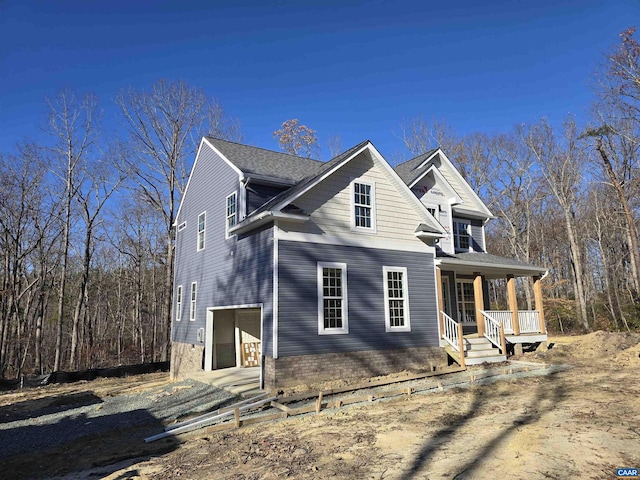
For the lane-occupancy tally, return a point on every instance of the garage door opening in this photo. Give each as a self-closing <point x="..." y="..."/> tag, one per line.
<point x="233" y="338"/>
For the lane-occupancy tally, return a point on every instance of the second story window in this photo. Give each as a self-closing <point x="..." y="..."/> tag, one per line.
<point x="363" y="207"/>
<point x="232" y="212"/>
<point x="461" y="235"/>
<point x="202" y="221"/>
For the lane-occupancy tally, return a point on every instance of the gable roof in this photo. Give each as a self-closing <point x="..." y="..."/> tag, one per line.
<point x="278" y="206"/>
<point x="261" y="162"/>
<point x="409" y="172"/>
<point x="413" y="170"/>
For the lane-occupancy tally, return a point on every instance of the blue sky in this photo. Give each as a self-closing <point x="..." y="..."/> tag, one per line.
<point x="354" y="69"/>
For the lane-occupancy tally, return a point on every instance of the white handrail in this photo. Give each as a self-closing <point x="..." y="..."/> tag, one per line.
<point x="450" y="333"/>
<point x="492" y="329"/>
<point x="504" y="317"/>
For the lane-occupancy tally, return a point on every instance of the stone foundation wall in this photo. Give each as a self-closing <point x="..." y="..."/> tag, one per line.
<point x="185" y="359"/>
<point x="308" y="369"/>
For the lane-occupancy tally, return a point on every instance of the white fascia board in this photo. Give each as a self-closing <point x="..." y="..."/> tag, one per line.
<point x="421" y="207"/>
<point x="227" y="161"/>
<point x="452" y="200"/>
<point x="474" y="195"/>
<point x="266" y="217"/>
<point x="471" y="213"/>
<point x="193" y="168"/>
<point x="519" y="271"/>
<point x="318" y="180"/>
<point x="428" y="159"/>
<point x="428" y="235"/>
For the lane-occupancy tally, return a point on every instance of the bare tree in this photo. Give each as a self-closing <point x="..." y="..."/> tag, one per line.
<point x="165" y="126"/>
<point x="616" y="135"/>
<point x="420" y="135"/>
<point x="101" y="185"/>
<point x="297" y="139"/>
<point x="334" y="143"/>
<point x="559" y="163"/>
<point x="72" y="125"/>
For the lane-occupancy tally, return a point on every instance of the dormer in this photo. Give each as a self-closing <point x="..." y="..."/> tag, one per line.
<point x="450" y="199"/>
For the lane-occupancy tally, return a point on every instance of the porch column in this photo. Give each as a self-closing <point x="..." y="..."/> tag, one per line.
<point x="479" y="301"/>
<point x="537" y="294"/>
<point x="513" y="303"/>
<point x="440" y="300"/>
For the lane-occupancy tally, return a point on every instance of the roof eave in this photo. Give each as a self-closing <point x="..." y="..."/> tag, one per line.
<point x="267" y="217"/>
<point x="516" y="270"/>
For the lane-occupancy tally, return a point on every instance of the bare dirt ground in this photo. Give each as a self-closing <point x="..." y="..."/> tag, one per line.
<point x="582" y="422"/>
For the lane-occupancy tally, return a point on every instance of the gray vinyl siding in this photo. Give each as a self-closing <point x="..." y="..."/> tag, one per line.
<point x="298" y="299"/>
<point x="234" y="271"/>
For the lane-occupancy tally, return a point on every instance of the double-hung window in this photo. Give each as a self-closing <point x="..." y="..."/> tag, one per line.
<point x="194" y="295"/>
<point x="179" y="303"/>
<point x="202" y="223"/>
<point x="461" y="235"/>
<point x="231" y="212"/>
<point x="332" y="298"/>
<point x="363" y="209"/>
<point x="396" y="299"/>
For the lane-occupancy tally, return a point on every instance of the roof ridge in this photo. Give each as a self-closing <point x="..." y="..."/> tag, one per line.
<point x="424" y="154"/>
<point x="264" y="149"/>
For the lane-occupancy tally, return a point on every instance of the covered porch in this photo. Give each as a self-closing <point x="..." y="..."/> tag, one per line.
<point x="470" y="330"/>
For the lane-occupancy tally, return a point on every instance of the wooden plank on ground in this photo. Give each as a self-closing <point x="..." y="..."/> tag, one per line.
<point x="284" y="408"/>
<point x="377" y="383"/>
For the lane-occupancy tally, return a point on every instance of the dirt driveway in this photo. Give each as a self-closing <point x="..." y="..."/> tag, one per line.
<point x="582" y="422"/>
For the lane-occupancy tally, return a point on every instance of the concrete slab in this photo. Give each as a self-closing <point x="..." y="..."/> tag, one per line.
<point x="244" y="381"/>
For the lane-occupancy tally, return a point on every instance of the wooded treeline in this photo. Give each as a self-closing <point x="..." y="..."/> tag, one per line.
<point x="86" y="218"/>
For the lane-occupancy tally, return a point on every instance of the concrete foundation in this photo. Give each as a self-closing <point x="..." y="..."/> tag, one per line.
<point x="302" y="369"/>
<point x="185" y="360"/>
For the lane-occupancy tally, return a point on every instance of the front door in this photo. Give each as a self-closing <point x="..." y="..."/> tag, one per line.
<point x="466" y="302"/>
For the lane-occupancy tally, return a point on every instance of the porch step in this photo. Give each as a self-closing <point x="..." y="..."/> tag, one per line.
<point x="480" y="350"/>
<point x="481" y="360"/>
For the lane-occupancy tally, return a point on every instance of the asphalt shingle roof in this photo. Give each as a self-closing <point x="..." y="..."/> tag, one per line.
<point x="487" y="259"/>
<point x="258" y="161"/>
<point x="408" y="171"/>
<point x="291" y="192"/>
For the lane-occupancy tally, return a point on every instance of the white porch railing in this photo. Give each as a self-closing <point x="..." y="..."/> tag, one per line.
<point x="501" y="316"/>
<point x="494" y="331"/>
<point x="528" y="320"/>
<point x="451" y="332"/>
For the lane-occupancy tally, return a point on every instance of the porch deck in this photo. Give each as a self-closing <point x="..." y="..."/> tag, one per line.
<point x="494" y="330"/>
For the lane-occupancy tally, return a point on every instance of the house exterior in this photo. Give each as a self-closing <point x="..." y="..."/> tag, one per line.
<point x="348" y="268"/>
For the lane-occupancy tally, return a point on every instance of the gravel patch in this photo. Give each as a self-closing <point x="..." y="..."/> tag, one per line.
<point x="85" y="415"/>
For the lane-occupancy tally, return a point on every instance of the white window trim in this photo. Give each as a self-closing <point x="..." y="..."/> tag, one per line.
<point x="226" y="216"/>
<point x="204" y="232"/>
<point x="405" y="289"/>
<point x="179" y="303"/>
<point x="435" y="207"/>
<point x="456" y="236"/>
<point x="345" y="309"/>
<point x="352" y="204"/>
<point x="182" y="226"/>
<point x="193" y="299"/>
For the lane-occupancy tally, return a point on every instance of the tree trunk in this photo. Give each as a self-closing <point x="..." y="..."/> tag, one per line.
<point x="63" y="275"/>
<point x="576" y="265"/>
